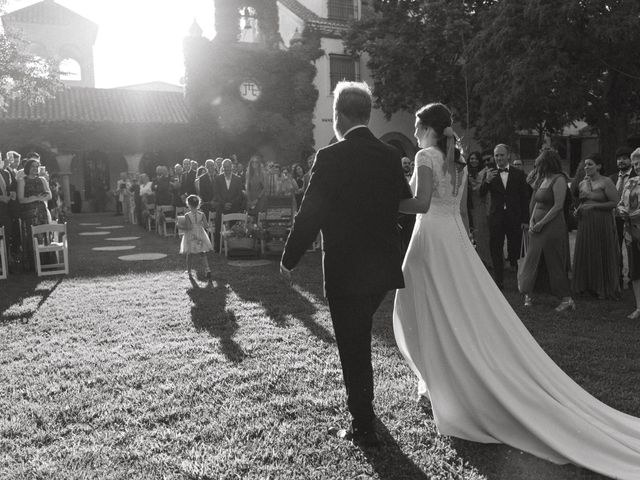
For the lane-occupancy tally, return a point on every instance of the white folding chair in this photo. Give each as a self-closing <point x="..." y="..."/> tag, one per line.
<point x="225" y="227"/>
<point x="51" y="238"/>
<point x="3" y="254"/>
<point x="163" y="218"/>
<point x="151" y="217"/>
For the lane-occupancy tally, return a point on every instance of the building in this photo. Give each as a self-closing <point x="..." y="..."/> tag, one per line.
<point x="85" y="135"/>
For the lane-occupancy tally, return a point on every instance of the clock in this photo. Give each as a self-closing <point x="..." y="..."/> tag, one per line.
<point x="250" y="90"/>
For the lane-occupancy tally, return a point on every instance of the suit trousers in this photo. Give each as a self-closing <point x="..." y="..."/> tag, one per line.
<point x="352" y="318"/>
<point x="499" y="227"/>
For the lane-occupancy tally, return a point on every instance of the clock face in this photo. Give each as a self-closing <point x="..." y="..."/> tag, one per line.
<point x="250" y="90"/>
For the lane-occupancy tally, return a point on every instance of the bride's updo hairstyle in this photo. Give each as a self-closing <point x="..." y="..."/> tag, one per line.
<point x="438" y="117"/>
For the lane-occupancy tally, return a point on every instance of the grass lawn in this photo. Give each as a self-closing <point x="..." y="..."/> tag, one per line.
<point x="128" y="370"/>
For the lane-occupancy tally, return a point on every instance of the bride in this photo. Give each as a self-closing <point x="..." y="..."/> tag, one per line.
<point x="486" y="377"/>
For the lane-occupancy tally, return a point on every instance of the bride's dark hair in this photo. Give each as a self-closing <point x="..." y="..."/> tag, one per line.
<point x="438" y="117"/>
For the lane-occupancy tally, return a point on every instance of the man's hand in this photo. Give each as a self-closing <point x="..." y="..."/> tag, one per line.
<point x="491" y="174"/>
<point x="285" y="272"/>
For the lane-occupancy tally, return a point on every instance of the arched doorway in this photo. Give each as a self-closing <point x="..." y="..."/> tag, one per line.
<point x="96" y="179"/>
<point x="405" y="146"/>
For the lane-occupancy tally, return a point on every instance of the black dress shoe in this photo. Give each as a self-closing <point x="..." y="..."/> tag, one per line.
<point x="363" y="438"/>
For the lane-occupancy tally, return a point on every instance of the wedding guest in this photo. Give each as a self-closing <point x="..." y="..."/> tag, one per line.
<point x="479" y="220"/>
<point x="229" y="197"/>
<point x="298" y="176"/>
<point x="121" y="187"/>
<point x="509" y="211"/>
<point x="307" y="176"/>
<point x="547" y="259"/>
<point x="5" y="198"/>
<point x="162" y="186"/>
<point x="33" y="195"/>
<point x="206" y="186"/>
<point x="288" y="186"/>
<point x="176" y="185"/>
<point x="147" y="199"/>
<point x="620" y="179"/>
<point x="254" y="186"/>
<point x="272" y="183"/>
<point x="629" y="210"/>
<point x="595" y="260"/>
<point x="406" y="167"/>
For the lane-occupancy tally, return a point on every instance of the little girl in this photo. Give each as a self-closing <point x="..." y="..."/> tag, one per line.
<point x="195" y="239"/>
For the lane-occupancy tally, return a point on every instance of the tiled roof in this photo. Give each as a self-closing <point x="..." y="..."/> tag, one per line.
<point x="324" y="26"/>
<point x="46" y="12"/>
<point x="96" y="105"/>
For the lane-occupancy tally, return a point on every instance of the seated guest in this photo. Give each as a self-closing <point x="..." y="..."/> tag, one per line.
<point x="33" y="195"/>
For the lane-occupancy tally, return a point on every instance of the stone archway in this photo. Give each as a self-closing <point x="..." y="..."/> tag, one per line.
<point x="405" y="146"/>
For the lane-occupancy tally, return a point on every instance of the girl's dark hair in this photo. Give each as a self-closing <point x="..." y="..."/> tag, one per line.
<point x="28" y="164"/>
<point x="473" y="171"/>
<point x="438" y="117"/>
<point x="597" y="159"/>
<point x="193" y="201"/>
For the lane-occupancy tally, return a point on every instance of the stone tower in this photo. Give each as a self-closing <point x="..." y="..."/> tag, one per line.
<point x="52" y="30"/>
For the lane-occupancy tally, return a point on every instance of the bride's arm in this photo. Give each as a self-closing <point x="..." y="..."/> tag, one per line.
<point x="421" y="202"/>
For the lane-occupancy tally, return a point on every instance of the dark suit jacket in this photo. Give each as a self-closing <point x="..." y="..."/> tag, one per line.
<point x="614" y="177"/>
<point x="515" y="197"/>
<point x="352" y="197"/>
<point x="206" y="186"/>
<point x="232" y="195"/>
<point x="187" y="183"/>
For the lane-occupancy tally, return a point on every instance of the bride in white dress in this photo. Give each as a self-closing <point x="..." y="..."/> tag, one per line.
<point x="487" y="378"/>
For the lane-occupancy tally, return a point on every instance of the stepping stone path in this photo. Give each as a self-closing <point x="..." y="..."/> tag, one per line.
<point x="142" y="256"/>
<point x="86" y="234"/>
<point x="88" y="224"/>
<point x="108" y="227"/>
<point x="122" y="239"/>
<point x="248" y="263"/>
<point x="114" y="248"/>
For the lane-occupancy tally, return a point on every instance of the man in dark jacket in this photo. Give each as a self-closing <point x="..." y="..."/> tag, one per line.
<point x="353" y="195"/>
<point x="508" y="211"/>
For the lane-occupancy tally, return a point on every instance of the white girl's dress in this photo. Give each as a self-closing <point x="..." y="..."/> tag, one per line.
<point x="487" y="378"/>
<point x="196" y="240"/>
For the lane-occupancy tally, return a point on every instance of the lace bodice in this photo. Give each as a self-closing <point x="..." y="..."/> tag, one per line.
<point x="443" y="200"/>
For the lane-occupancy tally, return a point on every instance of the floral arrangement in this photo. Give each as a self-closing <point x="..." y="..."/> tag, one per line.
<point x="243" y="230"/>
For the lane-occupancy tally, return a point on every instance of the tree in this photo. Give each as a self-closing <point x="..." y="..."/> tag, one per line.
<point x="414" y="52"/>
<point x="539" y="64"/>
<point x="24" y="76"/>
<point x="508" y="65"/>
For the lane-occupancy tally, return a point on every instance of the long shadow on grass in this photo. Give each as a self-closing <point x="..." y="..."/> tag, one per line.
<point x="16" y="294"/>
<point x="209" y="313"/>
<point x="281" y="300"/>
<point x="390" y="462"/>
<point x="496" y="461"/>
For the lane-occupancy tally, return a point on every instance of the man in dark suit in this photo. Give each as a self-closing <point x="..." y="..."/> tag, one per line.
<point x="353" y="195"/>
<point x="508" y="211"/>
<point x="620" y="179"/>
<point x="187" y="179"/>
<point x="228" y="196"/>
<point x="205" y="185"/>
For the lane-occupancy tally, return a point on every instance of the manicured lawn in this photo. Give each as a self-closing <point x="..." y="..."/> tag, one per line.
<point x="127" y="370"/>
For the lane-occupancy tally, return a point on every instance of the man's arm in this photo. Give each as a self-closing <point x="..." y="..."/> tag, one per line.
<point x="313" y="211"/>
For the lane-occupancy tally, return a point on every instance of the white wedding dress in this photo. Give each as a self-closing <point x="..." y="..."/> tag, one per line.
<point x="487" y="378"/>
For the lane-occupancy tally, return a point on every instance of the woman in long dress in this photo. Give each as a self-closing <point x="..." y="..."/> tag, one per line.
<point x="487" y="378"/>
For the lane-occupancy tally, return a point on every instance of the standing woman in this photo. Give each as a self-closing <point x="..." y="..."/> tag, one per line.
<point x="629" y="210"/>
<point x="254" y="186"/>
<point x="298" y="176"/>
<point x="595" y="260"/>
<point x="479" y="218"/>
<point x="547" y="259"/>
<point x="33" y="195"/>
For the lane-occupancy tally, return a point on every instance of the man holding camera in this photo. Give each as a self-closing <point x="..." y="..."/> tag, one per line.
<point x="508" y="210"/>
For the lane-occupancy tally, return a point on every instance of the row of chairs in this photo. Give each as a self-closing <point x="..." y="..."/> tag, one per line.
<point x="162" y="219"/>
<point x="50" y="240"/>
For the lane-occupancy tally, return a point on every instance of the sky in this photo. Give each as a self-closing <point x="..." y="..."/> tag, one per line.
<point x="138" y="41"/>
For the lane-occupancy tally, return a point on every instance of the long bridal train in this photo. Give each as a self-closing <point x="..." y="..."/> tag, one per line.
<point x="488" y="379"/>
